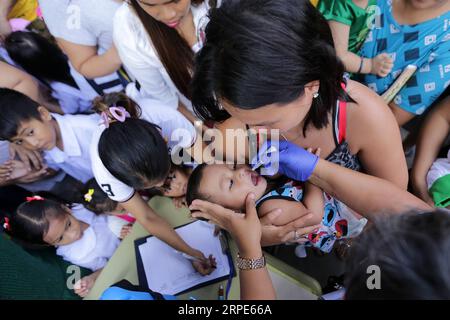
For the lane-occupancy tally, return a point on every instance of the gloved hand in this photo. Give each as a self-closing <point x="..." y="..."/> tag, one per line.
<point x="287" y="159"/>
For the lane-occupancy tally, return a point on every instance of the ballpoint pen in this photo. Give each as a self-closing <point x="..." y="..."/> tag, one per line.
<point x="191" y="258"/>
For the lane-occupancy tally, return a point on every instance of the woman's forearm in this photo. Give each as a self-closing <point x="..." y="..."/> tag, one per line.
<point x="100" y="65"/>
<point x="365" y="194"/>
<point x="255" y="284"/>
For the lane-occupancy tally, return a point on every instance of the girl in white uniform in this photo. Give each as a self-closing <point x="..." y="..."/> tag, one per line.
<point x="130" y="154"/>
<point x="156" y="41"/>
<point x="79" y="236"/>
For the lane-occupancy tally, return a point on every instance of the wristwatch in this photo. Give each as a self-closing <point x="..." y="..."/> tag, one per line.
<point x="250" y="264"/>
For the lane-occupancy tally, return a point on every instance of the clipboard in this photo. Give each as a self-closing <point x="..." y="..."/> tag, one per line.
<point x="143" y="275"/>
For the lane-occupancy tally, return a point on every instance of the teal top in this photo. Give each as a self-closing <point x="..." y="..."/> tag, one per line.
<point x="348" y="13"/>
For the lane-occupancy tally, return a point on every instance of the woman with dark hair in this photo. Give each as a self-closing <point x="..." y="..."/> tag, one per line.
<point x="272" y="64"/>
<point x="157" y="40"/>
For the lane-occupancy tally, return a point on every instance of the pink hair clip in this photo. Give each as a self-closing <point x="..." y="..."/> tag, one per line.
<point x="118" y="113"/>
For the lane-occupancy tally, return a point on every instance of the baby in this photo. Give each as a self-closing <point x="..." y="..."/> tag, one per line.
<point x="229" y="185"/>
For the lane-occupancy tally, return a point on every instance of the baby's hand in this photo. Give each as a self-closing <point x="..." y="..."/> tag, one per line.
<point x="84" y="285"/>
<point x="382" y="65"/>
<point x="125" y="231"/>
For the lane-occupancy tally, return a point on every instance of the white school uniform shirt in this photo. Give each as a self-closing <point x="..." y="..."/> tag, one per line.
<point x="141" y="59"/>
<point x="175" y="129"/>
<point x="97" y="244"/>
<point x="76" y="133"/>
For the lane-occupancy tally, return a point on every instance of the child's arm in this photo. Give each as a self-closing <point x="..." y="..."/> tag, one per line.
<point x="292" y="210"/>
<point x="85" y="284"/>
<point x="432" y="135"/>
<point x="381" y="65"/>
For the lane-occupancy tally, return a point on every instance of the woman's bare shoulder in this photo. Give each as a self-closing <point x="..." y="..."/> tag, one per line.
<point x="368" y="113"/>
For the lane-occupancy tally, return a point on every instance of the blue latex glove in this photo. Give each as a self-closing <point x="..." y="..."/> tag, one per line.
<point x="287" y="159"/>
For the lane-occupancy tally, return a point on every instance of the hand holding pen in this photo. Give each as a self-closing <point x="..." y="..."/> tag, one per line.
<point x="203" y="265"/>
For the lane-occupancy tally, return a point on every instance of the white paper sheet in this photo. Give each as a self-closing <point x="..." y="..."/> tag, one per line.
<point x="168" y="272"/>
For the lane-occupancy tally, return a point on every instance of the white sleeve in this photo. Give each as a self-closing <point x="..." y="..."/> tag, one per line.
<point x="140" y="58"/>
<point x="114" y="188"/>
<point x="175" y="128"/>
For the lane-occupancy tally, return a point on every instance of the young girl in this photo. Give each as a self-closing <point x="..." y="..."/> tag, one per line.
<point x="64" y="140"/>
<point x="175" y="185"/>
<point x="229" y="186"/>
<point x="350" y="21"/>
<point x="79" y="236"/>
<point x="156" y="41"/>
<point x="119" y="221"/>
<point x="47" y="63"/>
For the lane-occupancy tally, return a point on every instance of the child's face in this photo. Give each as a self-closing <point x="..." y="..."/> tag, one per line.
<point x="176" y="184"/>
<point x="37" y="135"/>
<point x="63" y="230"/>
<point x="229" y="185"/>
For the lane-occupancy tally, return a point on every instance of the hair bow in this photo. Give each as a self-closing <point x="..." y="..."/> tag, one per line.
<point x="6" y="224"/>
<point x="88" y="195"/>
<point x="35" y="198"/>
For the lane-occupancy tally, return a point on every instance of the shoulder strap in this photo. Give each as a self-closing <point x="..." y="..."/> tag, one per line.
<point x="340" y="120"/>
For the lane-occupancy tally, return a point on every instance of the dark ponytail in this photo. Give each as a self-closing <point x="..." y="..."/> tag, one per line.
<point x="174" y="52"/>
<point x="262" y="52"/>
<point x="133" y="151"/>
<point x="39" y="57"/>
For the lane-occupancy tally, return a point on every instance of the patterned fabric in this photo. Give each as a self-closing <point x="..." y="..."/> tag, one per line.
<point x="342" y="156"/>
<point x="425" y="45"/>
<point x="338" y="221"/>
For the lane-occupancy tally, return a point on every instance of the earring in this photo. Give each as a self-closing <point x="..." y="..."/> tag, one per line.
<point x="316" y="95"/>
<point x="220" y="107"/>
